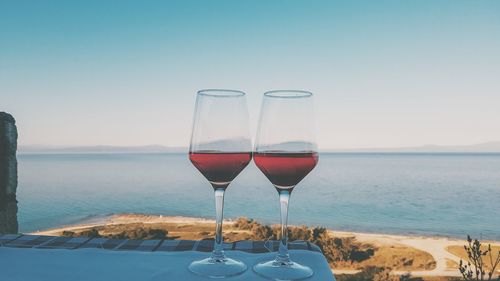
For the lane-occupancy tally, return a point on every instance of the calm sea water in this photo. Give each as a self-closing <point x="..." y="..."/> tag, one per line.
<point x="430" y="194"/>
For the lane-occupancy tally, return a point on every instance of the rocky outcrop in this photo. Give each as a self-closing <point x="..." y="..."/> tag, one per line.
<point x="8" y="174"/>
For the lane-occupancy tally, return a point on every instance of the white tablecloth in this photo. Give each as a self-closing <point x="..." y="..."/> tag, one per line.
<point x="93" y="264"/>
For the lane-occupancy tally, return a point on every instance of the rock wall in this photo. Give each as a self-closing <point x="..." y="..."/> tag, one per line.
<point x="8" y="174"/>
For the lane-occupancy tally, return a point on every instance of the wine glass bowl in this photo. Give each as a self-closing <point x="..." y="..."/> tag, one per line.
<point x="220" y="149"/>
<point x="285" y="151"/>
<point x="285" y="169"/>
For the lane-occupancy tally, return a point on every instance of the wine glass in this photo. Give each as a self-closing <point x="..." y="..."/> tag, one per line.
<point x="220" y="149"/>
<point x="285" y="151"/>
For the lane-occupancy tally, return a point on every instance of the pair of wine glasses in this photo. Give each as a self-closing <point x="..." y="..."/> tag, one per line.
<point x="285" y="151"/>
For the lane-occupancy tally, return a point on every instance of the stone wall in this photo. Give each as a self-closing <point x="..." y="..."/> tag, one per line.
<point x="8" y="174"/>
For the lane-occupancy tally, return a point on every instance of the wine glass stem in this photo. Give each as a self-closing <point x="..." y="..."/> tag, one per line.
<point x="283" y="256"/>
<point x="218" y="252"/>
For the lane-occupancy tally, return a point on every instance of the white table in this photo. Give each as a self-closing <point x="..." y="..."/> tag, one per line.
<point x="51" y="258"/>
<point x="25" y="264"/>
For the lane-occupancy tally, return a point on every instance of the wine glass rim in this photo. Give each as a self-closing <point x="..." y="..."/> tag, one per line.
<point x="226" y="93"/>
<point x="288" y="94"/>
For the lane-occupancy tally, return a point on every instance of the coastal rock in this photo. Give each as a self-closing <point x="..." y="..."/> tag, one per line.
<point x="8" y="174"/>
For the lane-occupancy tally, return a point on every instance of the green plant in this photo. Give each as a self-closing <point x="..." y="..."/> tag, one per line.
<point x="475" y="269"/>
<point x="335" y="249"/>
<point x="138" y="233"/>
<point x="91" y="233"/>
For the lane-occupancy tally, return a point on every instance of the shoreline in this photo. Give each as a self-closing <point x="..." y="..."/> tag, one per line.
<point x="436" y="246"/>
<point x="126" y="218"/>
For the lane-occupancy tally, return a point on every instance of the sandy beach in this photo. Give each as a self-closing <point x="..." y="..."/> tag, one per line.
<point x="436" y="246"/>
<point x="127" y="219"/>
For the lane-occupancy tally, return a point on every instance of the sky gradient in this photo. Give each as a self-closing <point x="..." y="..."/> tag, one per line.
<point x="384" y="73"/>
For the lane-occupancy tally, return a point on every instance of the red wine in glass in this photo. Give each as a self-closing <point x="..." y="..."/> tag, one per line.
<point x="285" y="169"/>
<point x="220" y="168"/>
<point x="285" y="151"/>
<point x="220" y="149"/>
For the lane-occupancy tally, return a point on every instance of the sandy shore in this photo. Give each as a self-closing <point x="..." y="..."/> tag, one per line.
<point x="436" y="246"/>
<point x="126" y="219"/>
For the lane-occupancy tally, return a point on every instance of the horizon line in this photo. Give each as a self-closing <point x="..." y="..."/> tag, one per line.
<point x="485" y="147"/>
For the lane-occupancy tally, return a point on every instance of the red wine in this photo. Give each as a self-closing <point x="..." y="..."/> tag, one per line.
<point x="285" y="169"/>
<point x="220" y="167"/>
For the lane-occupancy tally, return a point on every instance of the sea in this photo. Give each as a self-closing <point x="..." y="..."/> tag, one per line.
<point x="430" y="194"/>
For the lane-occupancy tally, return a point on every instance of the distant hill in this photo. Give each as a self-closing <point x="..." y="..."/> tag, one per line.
<point x="45" y="149"/>
<point x="493" y="146"/>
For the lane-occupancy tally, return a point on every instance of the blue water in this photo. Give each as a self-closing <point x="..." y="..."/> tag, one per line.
<point x="429" y="194"/>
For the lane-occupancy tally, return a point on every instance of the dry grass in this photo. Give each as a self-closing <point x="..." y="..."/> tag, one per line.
<point x="451" y="264"/>
<point x="381" y="274"/>
<point x="197" y="231"/>
<point x="441" y="278"/>
<point x="401" y="258"/>
<point x="459" y="251"/>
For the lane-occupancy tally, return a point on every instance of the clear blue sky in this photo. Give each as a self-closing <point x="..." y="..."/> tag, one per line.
<point x="385" y="73"/>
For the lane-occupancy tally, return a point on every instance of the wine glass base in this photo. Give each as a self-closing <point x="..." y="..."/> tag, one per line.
<point x="275" y="270"/>
<point x="217" y="268"/>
